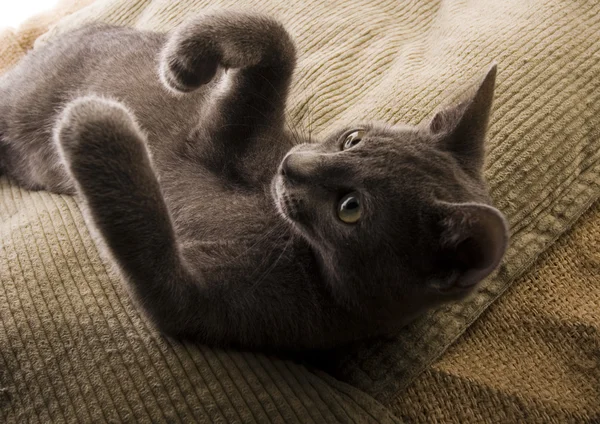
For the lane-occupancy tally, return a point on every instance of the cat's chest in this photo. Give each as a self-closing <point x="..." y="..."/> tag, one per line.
<point x="241" y="233"/>
<point x="206" y="209"/>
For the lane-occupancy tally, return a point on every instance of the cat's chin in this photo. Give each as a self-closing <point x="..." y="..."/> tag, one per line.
<point x="288" y="205"/>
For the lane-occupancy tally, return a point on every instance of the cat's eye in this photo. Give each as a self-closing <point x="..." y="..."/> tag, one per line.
<point x="352" y="139"/>
<point x="349" y="208"/>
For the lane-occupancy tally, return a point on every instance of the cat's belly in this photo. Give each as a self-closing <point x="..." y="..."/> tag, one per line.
<point x="33" y="94"/>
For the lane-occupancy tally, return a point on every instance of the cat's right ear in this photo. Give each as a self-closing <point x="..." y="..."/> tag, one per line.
<point x="472" y="242"/>
<point x="462" y="127"/>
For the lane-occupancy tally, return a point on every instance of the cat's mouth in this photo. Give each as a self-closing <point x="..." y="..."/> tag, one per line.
<point x="287" y="204"/>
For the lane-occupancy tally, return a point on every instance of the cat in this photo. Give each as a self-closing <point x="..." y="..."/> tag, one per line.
<point x="229" y="228"/>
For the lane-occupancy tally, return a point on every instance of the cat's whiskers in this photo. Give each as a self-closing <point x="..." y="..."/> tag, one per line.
<point x="245" y="290"/>
<point x="255" y="126"/>
<point x="269" y="270"/>
<point x="266" y="236"/>
<point x="288" y="121"/>
<point x="307" y="130"/>
<point x="309" y="113"/>
<point x="293" y="132"/>
<point x="232" y="124"/>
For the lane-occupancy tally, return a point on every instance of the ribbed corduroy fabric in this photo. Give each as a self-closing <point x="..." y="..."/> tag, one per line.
<point x="69" y="331"/>
<point x="74" y="349"/>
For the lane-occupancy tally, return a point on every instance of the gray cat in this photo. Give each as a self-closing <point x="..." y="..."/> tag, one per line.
<point x="229" y="228"/>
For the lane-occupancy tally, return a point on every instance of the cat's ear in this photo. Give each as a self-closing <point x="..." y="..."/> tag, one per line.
<point x="463" y="127"/>
<point x="472" y="242"/>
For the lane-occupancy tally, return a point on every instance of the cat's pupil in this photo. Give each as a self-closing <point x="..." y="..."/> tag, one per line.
<point x="351" y="204"/>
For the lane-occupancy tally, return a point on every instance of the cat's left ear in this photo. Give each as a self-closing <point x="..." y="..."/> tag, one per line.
<point x="463" y="127"/>
<point x="473" y="241"/>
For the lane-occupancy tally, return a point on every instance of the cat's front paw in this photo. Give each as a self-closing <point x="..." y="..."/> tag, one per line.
<point x="196" y="49"/>
<point x="182" y="71"/>
<point x="93" y="134"/>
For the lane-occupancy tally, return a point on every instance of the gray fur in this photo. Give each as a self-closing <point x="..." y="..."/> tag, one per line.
<point x="222" y="222"/>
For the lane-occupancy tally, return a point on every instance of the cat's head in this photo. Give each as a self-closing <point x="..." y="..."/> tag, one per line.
<point x="400" y="216"/>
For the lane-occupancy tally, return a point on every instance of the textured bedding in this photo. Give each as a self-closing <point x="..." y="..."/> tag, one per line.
<point x="72" y="346"/>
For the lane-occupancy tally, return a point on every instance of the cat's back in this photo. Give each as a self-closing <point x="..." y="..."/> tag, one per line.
<point x="74" y="62"/>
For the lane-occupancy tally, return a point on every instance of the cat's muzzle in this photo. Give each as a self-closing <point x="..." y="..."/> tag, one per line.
<point x="300" y="167"/>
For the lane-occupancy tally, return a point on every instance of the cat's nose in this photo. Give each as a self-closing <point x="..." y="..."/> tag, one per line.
<point x="300" y="167"/>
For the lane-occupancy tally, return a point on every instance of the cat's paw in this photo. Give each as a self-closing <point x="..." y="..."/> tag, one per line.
<point x="196" y="49"/>
<point x="182" y="72"/>
<point x="92" y="132"/>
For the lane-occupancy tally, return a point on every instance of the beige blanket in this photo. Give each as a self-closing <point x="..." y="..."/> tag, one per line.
<point x="72" y="342"/>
